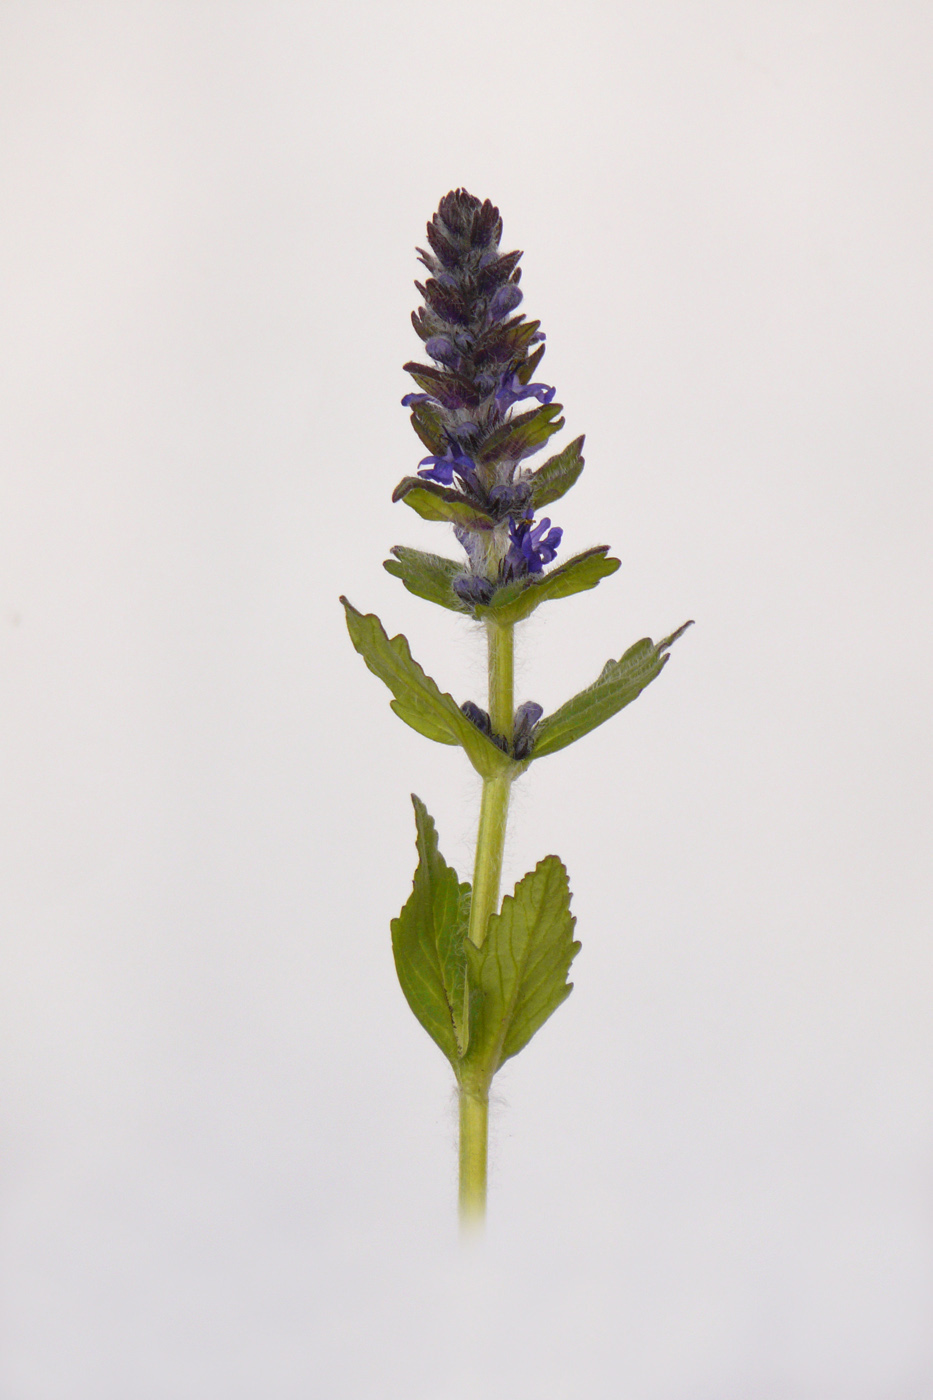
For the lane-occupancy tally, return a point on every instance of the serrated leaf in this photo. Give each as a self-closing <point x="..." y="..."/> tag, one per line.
<point x="435" y="502"/>
<point x="517" y="600"/>
<point x="618" y="684"/>
<point x="519" y="976"/>
<point x="427" y="943"/>
<point x="428" y="576"/>
<point x="418" y="699"/>
<point x="555" y="478"/>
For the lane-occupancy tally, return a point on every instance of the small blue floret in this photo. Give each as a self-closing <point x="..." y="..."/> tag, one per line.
<point x="530" y="546"/>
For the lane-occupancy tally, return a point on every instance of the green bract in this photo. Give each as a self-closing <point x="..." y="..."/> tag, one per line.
<point x="558" y="474"/>
<point x="428" y="576"/>
<point x="515" y="601"/>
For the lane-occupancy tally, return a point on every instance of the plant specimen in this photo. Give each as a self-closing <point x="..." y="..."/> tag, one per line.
<point x="482" y="977"/>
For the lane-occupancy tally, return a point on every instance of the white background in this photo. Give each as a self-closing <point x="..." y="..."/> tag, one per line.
<point x="229" y="1150"/>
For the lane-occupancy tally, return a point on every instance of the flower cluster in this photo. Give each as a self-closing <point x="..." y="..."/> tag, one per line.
<point x="484" y="358"/>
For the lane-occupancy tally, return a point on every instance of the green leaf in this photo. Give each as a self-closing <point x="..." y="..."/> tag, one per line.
<point x="418" y="700"/>
<point x="429" y="425"/>
<point x="427" y="575"/>
<point x="618" y="684"/>
<point x="427" y="942"/>
<point x="517" y="600"/>
<point x="530" y="365"/>
<point x="519" y="976"/>
<point x="519" y="436"/>
<point x="555" y="478"/>
<point x="435" y="502"/>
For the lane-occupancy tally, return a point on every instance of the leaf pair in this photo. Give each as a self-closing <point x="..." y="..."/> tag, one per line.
<point x="420" y="702"/>
<point x="432" y="577"/>
<point x="482" y="1005"/>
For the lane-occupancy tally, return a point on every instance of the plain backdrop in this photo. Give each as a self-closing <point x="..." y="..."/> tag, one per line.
<point x="228" y="1160"/>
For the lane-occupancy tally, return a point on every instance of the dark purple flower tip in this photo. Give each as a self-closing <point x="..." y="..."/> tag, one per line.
<point x="530" y="546"/>
<point x="505" y="300"/>
<point x="511" y="390"/>
<point x="409" y="399"/>
<point x="528" y="714"/>
<point x="477" y="716"/>
<point x="526" y="718"/>
<point x="510" y="498"/>
<point x="482" y="721"/>
<point x="443" y="350"/>
<point x="472" y="589"/>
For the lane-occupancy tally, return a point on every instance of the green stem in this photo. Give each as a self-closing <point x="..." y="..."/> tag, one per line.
<point x="490" y="843"/>
<point x="501" y="669"/>
<point x="487" y="875"/>
<point x="474" y="1126"/>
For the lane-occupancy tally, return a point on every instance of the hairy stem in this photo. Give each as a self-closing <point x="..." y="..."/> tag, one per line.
<point x="487" y="874"/>
<point x="474" y="1124"/>
<point x="501" y="669"/>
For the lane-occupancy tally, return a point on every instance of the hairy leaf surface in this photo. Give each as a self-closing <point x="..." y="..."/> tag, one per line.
<point x="555" y="478"/>
<point x="618" y="684"/>
<point x="427" y="575"/>
<point x="432" y="501"/>
<point x="518" y="600"/>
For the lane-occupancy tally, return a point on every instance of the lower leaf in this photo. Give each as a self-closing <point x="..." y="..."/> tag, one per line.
<point x="427" y="942"/>
<point x="520" y="973"/>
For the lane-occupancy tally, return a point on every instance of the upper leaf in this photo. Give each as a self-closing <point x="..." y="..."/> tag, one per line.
<point x="451" y="390"/>
<point x="519" y="436"/>
<point x="427" y="942"/>
<point x="520" y="973"/>
<point x="429" y="425"/>
<point x="618" y="684"/>
<point x="435" y="502"/>
<point x="418" y="700"/>
<point x="555" y="478"/>
<point x="517" y="600"/>
<point x="427" y="575"/>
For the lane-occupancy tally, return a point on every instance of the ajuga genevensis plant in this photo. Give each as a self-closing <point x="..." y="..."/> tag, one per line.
<point x="483" y="977"/>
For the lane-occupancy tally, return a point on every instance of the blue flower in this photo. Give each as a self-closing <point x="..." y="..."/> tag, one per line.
<point x="511" y="390"/>
<point x="442" y="469"/>
<point x="530" y="546"/>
